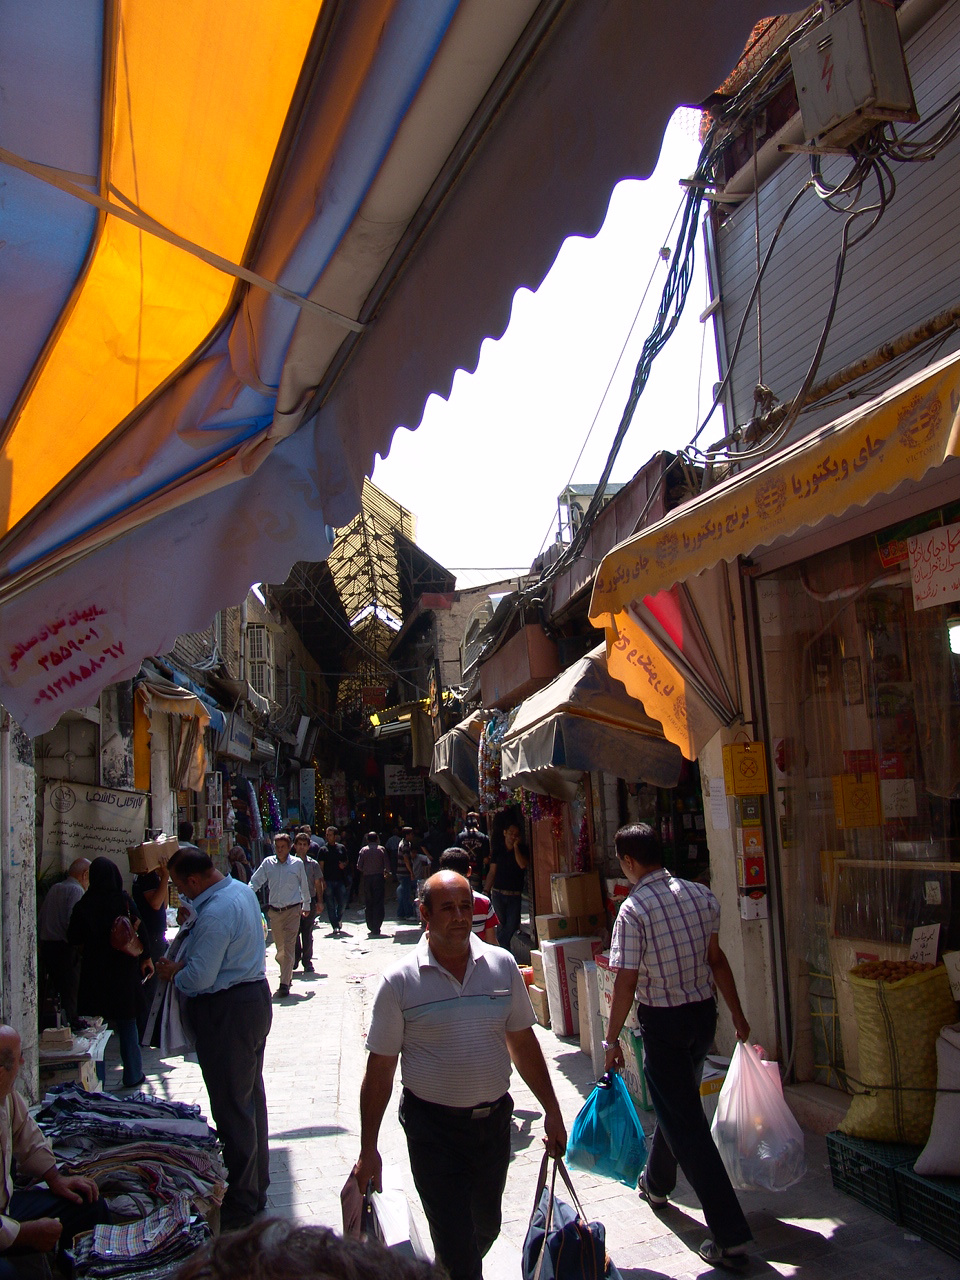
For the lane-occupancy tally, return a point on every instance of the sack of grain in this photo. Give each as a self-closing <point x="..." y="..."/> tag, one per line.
<point x="898" y="1021"/>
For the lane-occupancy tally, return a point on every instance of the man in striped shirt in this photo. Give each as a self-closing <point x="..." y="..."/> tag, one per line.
<point x="667" y="955"/>
<point x="455" y="1014"/>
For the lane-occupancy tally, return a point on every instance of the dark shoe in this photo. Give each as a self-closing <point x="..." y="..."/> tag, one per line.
<point x="234" y="1220"/>
<point x="655" y="1202"/>
<point x="308" y="967"/>
<point x="282" y="992"/>
<point x="734" y="1259"/>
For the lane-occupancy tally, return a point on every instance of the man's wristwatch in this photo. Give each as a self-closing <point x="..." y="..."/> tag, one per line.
<point x="608" y="1045"/>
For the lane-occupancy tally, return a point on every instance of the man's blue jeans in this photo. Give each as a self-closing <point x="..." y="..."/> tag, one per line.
<point x="405" y="909"/>
<point x="507" y="907"/>
<point x="128" y="1036"/>
<point x="336" y="895"/>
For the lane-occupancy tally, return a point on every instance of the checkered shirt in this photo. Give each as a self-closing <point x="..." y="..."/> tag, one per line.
<point x="663" y="931"/>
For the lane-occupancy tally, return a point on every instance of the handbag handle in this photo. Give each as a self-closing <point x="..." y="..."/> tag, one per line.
<point x="558" y="1166"/>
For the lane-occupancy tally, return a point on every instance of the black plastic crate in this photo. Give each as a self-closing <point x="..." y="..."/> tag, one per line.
<point x="931" y="1207"/>
<point x="866" y="1170"/>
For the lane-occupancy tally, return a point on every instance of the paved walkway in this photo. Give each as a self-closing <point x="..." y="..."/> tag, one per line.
<point x="314" y="1064"/>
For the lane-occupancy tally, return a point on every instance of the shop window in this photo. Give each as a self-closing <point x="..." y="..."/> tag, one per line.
<point x="863" y="706"/>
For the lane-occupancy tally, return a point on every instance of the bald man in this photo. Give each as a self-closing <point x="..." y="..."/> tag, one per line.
<point x="59" y="959"/>
<point x="455" y="1014"/>
<point x="35" y="1221"/>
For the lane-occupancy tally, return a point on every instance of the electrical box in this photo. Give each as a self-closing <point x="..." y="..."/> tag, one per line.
<point x="851" y="74"/>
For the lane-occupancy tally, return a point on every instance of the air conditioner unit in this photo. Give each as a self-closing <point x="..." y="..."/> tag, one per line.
<point x="262" y="679"/>
<point x="851" y="74"/>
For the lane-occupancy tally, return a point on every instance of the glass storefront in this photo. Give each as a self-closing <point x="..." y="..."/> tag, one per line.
<point x="863" y="707"/>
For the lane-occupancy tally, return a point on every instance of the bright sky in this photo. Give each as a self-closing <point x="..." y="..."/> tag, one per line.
<point x="483" y="470"/>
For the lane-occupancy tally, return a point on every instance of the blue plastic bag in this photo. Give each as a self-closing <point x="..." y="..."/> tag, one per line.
<point x="607" y="1137"/>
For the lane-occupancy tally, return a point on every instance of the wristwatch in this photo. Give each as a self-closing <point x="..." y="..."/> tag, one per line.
<point x="608" y="1045"/>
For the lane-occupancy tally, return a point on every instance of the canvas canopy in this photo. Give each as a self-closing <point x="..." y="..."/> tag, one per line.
<point x="239" y="252"/>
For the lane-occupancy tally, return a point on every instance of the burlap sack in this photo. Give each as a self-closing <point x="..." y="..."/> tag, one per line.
<point x="898" y="1024"/>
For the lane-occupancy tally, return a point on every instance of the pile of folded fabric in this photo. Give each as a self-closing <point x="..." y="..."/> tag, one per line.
<point x="151" y="1248"/>
<point x="158" y="1166"/>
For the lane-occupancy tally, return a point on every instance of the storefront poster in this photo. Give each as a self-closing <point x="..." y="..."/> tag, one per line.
<point x="81" y="821"/>
<point x="935" y="566"/>
<point x="398" y="781"/>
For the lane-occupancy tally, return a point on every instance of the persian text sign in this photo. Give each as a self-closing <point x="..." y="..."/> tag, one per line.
<point x="935" y="566"/>
<point x="398" y="782"/>
<point x="61" y="652"/>
<point x="869" y="451"/>
<point x="81" y="821"/>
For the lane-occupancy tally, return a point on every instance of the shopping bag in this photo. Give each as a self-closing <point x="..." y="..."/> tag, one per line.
<point x="760" y="1142"/>
<point x="386" y="1217"/>
<point x="560" y="1243"/>
<point x="606" y="1136"/>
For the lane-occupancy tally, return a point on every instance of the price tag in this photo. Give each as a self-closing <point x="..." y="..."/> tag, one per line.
<point x="923" y="943"/>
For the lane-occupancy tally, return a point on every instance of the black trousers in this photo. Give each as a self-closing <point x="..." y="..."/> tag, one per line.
<point x="37" y="1202"/>
<point x="460" y="1169"/>
<point x="231" y="1028"/>
<point x="373" y="899"/>
<point x="304" y="946"/>
<point x="675" y="1044"/>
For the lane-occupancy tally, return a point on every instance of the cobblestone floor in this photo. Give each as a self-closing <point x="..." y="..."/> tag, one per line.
<point x="314" y="1064"/>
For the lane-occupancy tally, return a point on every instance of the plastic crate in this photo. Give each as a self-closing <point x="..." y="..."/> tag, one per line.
<point x="931" y="1207"/>
<point x="867" y="1170"/>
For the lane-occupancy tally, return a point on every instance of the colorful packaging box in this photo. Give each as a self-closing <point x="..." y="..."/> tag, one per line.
<point x="562" y="958"/>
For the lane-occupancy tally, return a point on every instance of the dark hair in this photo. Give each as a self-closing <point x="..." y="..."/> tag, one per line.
<point x="190" y="862"/>
<point x="373" y="835"/>
<point x="456" y="859"/>
<point x="639" y="841"/>
<point x="185" y="831"/>
<point x="283" y="835"/>
<point x="277" y="1249"/>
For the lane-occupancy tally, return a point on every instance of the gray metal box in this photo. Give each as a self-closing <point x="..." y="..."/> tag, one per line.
<point x="851" y="74"/>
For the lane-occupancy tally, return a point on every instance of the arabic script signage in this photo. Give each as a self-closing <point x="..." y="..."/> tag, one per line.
<point x="935" y="566"/>
<point x="82" y="821"/>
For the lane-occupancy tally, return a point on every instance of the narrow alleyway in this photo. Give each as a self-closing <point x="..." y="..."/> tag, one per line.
<point x="314" y="1064"/>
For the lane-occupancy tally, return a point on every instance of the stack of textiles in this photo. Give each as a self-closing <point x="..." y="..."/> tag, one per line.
<point x="158" y="1167"/>
<point x="150" y="1249"/>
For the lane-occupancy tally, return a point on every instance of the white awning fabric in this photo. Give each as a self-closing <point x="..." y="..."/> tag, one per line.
<point x="455" y="762"/>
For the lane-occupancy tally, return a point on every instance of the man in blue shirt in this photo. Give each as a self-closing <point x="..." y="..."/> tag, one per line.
<point x="221" y="969"/>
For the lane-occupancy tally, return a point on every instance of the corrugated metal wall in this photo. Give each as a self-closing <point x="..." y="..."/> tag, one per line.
<point x="907" y="270"/>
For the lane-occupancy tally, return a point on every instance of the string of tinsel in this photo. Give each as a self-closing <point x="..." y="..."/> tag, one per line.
<point x="537" y="808"/>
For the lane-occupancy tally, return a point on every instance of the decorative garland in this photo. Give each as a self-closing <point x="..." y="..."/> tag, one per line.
<point x="250" y="797"/>
<point x="270" y="808"/>
<point x="539" y="808"/>
<point x="493" y="795"/>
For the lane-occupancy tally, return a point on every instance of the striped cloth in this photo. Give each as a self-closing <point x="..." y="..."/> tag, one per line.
<point x="451" y="1036"/>
<point x="663" y="930"/>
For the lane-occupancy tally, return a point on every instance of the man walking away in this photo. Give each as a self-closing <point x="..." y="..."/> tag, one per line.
<point x="667" y="955"/>
<point x="405" y="854"/>
<point x="221" y="968"/>
<point x="477" y="844"/>
<point x="454" y="1013"/>
<point x="59" y="959"/>
<point x="337" y="876"/>
<point x="372" y="865"/>
<point x="314" y="873"/>
<point x="288" y="898"/>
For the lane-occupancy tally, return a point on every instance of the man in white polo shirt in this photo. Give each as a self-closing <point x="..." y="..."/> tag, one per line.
<point x="455" y="1014"/>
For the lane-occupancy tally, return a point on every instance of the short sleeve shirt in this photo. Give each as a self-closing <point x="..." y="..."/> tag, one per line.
<point x="451" y="1036"/>
<point x="663" y="931"/>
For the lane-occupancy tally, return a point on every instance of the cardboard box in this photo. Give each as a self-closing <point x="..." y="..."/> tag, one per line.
<point x="591" y="1025"/>
<point x="561" y="960"/>
<point x="605" y="980"/>
<point x="536" y="964"/>
<point x="592" y="926"/>
<point x="632" y="1070"/>
<point x="711" y="1082"/>
<point x="558" y="926"/>
<point x="538" y="998"/>
<point x="576" y="893"/>
<point x="56" y="1038"/>
<point x="83" y="1073"/>
<point x="149" y="855"/>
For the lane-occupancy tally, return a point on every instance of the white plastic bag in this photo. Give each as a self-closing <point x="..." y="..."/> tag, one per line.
<point x="759" y="1140"/>
<point x="393" y="1225"/>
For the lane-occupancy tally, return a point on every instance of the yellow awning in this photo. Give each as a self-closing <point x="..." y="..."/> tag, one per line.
<point x="899" y="436"/>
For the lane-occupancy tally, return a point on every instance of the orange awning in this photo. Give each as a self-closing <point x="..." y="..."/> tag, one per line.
<point x="899" y="436"/>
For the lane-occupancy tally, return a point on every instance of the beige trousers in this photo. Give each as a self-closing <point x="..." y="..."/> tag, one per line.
<point x="285" y="926"/>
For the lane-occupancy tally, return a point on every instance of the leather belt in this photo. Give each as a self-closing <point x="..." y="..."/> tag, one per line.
<point x="480" y="1112"/>
<point x="288" y="907"/>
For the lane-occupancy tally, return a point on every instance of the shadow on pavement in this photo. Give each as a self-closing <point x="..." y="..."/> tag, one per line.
<point x="309" y="1131"/>
<point x="406" y="936"/>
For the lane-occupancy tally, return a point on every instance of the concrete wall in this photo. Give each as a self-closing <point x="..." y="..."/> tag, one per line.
<point x="18" y="895"/>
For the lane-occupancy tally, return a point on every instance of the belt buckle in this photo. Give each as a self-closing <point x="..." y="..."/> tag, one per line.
<point x="480" y="1113"/>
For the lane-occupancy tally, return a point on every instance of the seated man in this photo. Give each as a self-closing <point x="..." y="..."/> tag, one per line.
<point x="35" y="1221"/>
